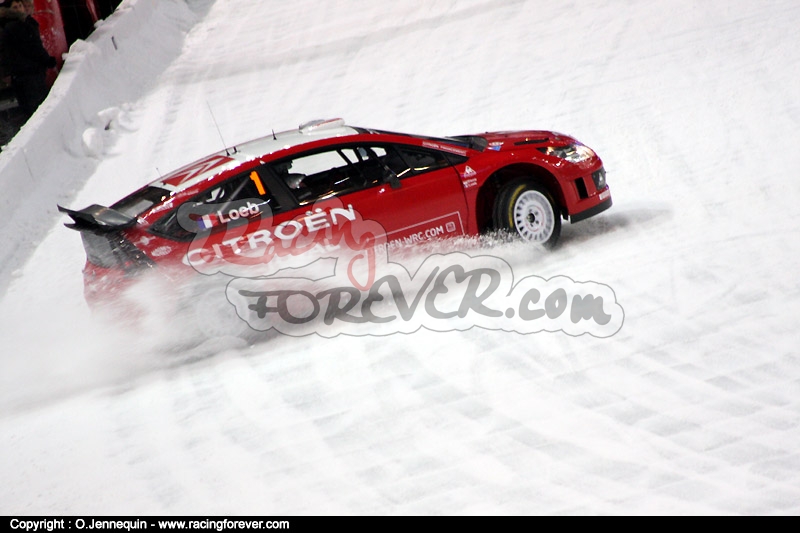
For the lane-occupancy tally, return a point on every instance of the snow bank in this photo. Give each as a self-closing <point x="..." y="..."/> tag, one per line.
<point x="116" y="64"/>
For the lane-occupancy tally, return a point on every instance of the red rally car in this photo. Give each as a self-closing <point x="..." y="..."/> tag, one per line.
<point x="415" y="187"/>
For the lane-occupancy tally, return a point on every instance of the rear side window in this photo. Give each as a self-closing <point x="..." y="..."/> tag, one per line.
<point x="137" y="203"/>
<point x="237" y="200"/>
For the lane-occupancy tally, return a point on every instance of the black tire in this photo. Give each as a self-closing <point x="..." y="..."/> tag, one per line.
<point x="527" y="211"/>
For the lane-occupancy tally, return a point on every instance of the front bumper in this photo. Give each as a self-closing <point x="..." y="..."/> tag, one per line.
<point x="592" y="211"/>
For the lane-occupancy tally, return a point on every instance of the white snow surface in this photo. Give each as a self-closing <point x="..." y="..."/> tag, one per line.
<point x="692" y="408"/>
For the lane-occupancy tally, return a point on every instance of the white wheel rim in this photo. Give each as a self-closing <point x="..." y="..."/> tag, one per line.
<point x="534" y="217"/>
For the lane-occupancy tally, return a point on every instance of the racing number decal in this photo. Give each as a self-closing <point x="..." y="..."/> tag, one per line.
<point x="257" y="180"/>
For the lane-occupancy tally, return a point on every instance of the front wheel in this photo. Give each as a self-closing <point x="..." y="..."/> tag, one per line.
<point x="528" y="211"/>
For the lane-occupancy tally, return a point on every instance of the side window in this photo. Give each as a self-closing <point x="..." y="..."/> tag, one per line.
<point x="235" y="201"/>
<point x="322" y="175"/>
<point x="372" y="162"/>
<point x="420" y="160"/>
<point x="396" y="163"/>
<point x="345" y="169"/>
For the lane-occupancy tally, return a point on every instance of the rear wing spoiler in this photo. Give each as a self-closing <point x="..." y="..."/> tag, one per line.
<point x="98" y="218"/>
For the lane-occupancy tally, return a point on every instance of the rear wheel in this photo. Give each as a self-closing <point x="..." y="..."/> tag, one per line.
<point x="527" y="210"/>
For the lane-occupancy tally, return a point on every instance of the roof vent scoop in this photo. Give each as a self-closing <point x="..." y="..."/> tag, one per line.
<point x="321" y="124"/>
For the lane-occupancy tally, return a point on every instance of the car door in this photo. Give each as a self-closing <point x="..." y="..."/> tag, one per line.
<point x="414" y="193"/>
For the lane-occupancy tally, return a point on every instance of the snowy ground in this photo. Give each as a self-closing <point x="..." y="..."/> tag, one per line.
<point x="693" y="407"/>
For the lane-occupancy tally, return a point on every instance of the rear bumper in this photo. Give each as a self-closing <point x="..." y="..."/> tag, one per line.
<point x="103" y="286"/>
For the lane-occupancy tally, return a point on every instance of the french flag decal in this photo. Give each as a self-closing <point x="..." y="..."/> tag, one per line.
<point x="205" y="222"/>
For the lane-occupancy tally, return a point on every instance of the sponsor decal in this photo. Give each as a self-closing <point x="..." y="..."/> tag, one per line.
<point x="260" y="247"/>
<point x="222" y="216"/>
<point x="444" y="148"/>
<point x="161" y="251"/>
<point x="438" y="228"/>
<point x="496" y="145"/>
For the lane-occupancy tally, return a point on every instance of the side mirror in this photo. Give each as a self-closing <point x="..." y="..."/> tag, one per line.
<point x="391" y="178"/>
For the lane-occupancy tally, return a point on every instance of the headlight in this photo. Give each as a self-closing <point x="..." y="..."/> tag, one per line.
<point x="574" y="153"/>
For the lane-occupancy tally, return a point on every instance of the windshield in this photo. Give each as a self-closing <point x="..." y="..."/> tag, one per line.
<point x="472" y="142"/>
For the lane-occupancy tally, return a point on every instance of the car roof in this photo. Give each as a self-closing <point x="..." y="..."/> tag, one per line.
<point x="306" y="133"/>
<point x="198" y="171"/>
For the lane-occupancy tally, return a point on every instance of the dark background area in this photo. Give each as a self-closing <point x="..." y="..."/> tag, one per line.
<point x="78" y="24"/>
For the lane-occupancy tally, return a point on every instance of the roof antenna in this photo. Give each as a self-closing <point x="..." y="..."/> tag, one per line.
<point x="274" y="137"/>
<point x="219" y="132"/>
